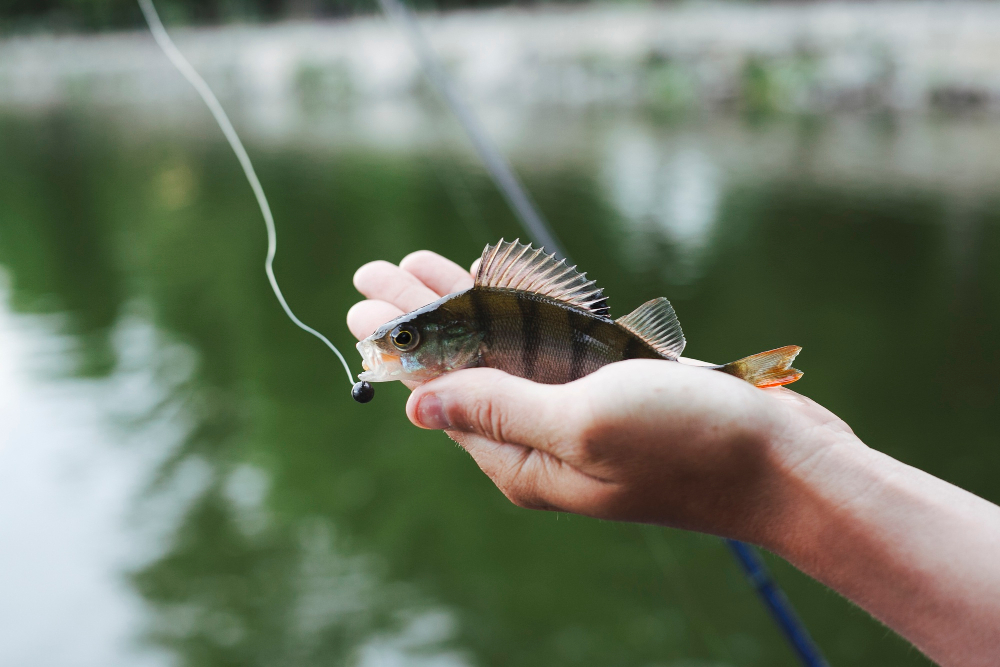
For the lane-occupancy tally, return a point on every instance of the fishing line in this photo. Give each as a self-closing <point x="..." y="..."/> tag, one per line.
<point x="753" y="566"/>
<point x="188" y="72"/>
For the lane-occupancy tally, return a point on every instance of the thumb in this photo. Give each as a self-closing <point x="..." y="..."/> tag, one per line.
<point x="495" y="405"/>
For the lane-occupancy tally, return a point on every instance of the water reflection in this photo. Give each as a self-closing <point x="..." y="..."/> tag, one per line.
<point x="65" y="497"/>
<point x="250" y="513"/>
<point x="669" y="196"/>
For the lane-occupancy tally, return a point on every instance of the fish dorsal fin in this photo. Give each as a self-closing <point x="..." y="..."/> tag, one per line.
<point x="518" y="266"/>
<point x="656" y="323"/>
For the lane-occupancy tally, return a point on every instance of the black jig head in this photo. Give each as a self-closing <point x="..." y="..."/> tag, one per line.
<point x="363" y="392"/>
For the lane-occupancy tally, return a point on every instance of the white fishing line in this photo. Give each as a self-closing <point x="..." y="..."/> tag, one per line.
<point x="189" y="73"/>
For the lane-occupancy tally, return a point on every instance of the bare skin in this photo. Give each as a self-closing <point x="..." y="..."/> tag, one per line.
<point x="674" y="445"/>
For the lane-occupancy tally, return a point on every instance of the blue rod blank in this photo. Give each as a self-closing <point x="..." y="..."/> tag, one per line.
<point x="777" y="604"/>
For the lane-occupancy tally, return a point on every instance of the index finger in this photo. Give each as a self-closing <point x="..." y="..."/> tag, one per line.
<point x="387" y="282"/>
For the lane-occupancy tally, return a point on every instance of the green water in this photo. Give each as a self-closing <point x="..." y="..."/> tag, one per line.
<point x="317" y="531"/>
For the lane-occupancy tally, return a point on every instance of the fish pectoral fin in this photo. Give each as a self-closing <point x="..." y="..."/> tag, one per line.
<point x="656" y="323"/>
<point x="767" y="369"/>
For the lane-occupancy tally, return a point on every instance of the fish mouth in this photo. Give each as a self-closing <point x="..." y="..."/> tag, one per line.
<point x="379" y="367"/>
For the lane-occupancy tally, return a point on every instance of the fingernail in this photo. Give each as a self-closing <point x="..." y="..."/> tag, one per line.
<point x="430" y="413"/>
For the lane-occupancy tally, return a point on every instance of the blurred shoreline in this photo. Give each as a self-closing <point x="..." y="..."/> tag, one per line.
<point x="903" y="94"/>
<point x="813" y="58"/>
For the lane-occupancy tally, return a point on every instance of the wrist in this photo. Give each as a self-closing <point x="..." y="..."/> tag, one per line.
<point x="814" y="484"/>
<point x="914" y="551"/>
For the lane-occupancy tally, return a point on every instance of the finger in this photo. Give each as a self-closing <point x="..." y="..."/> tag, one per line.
<point x="365" y="317"/>
<point x="387" y="282"/>
<point x="500" y="407"/>
<point x="534" y="479"/>
<point x="475" y="266"/>
<point x="438" y="273"/>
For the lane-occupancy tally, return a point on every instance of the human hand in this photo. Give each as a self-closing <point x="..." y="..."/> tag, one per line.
<point x="640" y="440"/>
<point x="672" y="444"/>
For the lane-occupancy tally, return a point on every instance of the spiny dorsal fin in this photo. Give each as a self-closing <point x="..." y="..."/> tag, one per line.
<point x="517" y="266"/>
<point x="656" y="323"/>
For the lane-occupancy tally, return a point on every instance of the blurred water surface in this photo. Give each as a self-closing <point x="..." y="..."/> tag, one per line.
<point x="184" y="480"/>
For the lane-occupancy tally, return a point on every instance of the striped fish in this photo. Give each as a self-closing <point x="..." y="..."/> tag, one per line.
<point x="533" y="316"/>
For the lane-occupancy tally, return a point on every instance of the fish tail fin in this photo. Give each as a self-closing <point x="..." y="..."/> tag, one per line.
<point x="766" y="369"/>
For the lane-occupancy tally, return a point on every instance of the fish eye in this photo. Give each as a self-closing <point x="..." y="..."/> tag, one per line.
<point x="404" y="338"/>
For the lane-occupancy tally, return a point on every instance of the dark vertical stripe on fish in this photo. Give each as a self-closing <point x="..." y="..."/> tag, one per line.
<point x="478" y="313"/>
<point x="516" y="334"/>
<point x="633" y="347"/>
<point x="529" y="331"/>
<point x="580" y="326"/>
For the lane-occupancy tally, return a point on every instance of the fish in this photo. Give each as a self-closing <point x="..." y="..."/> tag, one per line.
<point x="531" y="315"/>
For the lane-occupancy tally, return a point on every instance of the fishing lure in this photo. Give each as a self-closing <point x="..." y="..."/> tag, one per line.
<point x="531" y="315"/>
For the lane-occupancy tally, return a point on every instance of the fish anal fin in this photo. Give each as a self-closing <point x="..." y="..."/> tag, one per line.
<point x="518" y="266"/>
<point x="656" y="323"/>
<point x="767" y="369"/>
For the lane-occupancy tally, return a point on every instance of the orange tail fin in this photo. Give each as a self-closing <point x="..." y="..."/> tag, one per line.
<point x="767" y="369"/>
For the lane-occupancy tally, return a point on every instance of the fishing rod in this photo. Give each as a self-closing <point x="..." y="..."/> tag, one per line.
<point x="751" y="563"/>
<point x="500" y="171"/>
<point x="777" y="604"/>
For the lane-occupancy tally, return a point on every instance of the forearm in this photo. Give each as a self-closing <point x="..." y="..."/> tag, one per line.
<point x="919" y="554"/>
